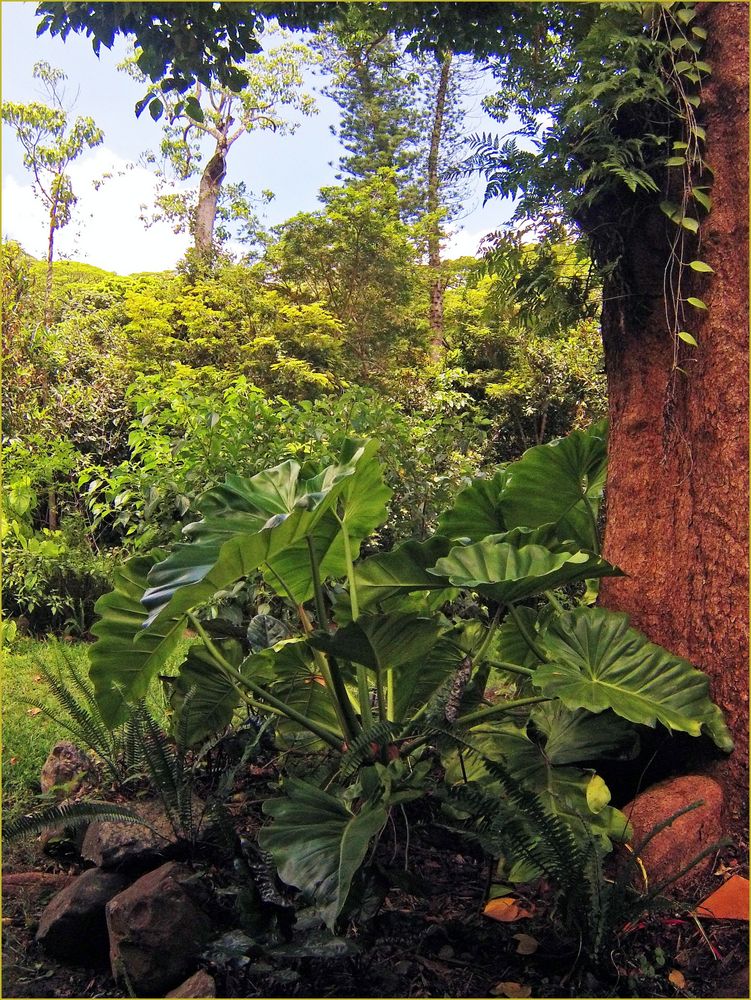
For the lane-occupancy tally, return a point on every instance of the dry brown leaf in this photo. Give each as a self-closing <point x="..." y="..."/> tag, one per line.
<point x="729" y="902"/>
<point x="37" y="678"/>
<point x="527" y="945"/>
<point x="506" y="909"/>
<point x="509" y="989"/>
<point x="33" y="711"/>
<point x="677" y="979"/>
<point x="14" y="760"/>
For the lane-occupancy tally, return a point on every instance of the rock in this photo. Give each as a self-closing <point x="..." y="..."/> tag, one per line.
<point x="116" y="846"/>
<point x="157" y="929"/>
<point x="66" y="768"/>
<point x="672" y="848"/>
<point x="73" y="927"/>
<point x="200" y="984"/>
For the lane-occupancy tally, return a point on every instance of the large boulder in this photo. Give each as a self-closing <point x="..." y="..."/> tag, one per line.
<point x="73" y="927"/>
<point x="686" y="837"/>
<point x="157" y="929"/>
<point x="117" y="846"/>
<point x="65" y="769"/>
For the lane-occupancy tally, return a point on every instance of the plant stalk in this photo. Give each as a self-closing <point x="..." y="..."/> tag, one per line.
<point x="525" y="633"/>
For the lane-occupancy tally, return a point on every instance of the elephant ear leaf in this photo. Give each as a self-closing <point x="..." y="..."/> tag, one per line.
<point x="506" y="572"/>
<point x="560" y="483"/>
<point x="318" y="844"/>
<point x="213" y="697"/>
<point x="125" y="656"/>
<point x="476" y="512"/>
<point x="266" y="522"/>
<point x="599" y="662"/>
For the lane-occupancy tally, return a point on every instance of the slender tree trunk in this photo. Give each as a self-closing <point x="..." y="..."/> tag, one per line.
<point x="434" y="237"/>
<point x="208" y="201"/>
<point x="50" y="255"/>
<point x="677" y="493"/>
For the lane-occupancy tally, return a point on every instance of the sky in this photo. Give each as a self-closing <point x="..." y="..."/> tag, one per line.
<point x="106" y="229"/>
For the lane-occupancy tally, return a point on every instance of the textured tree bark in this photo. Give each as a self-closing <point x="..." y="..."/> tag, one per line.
<point x="208" y="201"/>
<point x="435" y="317"/>
<point x="677" y="502"/>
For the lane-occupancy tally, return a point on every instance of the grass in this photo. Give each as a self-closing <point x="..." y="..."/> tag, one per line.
<point x="28" y="734"/>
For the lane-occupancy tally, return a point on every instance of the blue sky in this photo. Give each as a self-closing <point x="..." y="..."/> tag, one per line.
<point x="106" y="229"/>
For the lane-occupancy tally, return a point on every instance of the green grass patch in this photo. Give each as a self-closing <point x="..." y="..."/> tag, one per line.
<point x="28" y="734"/>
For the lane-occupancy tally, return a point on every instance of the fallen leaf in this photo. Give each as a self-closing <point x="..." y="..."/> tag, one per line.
<point x="506" y="909"/>
<point x="729" y="902"/>
<point x="33" y="711"/>
<point x="527" y="945"/>
<point x="37" y="678"/>
<point x="7" y="921"/>
<point x="511" y="990"/>
<point x="677" y="979"/>
<point x="14" y="760"/>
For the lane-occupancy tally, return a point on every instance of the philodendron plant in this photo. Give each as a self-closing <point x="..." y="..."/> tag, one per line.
<point x="386" y="679"/>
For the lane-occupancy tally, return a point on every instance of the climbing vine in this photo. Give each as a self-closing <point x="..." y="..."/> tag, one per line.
<point x="623" y="107"/>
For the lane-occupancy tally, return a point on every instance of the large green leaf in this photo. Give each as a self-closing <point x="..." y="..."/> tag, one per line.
<point x="401" y="571"/>
<point x="125" y="657"/>
<point x="574" y="736"/>
<point x="382" y="641"/>
<point x="476" y="512"/>
<point x="508" y="573"/>
<point x="266" y="521"/>
<point x="560" y="483"/>
<point x="290" y="672"/>
<point x="318" y="844"/>
<point x="214" y="698"/>
<point x="600" y="662"/>
<point x="576" y="795"/>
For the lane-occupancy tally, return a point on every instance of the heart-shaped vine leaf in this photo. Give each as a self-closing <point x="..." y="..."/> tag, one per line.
<point x="598" y="662"/>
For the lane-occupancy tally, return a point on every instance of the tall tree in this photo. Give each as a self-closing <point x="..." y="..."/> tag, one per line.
<point x="50" y="143"/>
<point x="201" y="129"/>
<point x="377" y="92"/>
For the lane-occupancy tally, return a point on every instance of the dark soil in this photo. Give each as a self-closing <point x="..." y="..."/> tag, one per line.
<point x="428" y="939"/>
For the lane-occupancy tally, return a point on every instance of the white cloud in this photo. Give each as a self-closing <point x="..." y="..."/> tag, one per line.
<point x="464" y="243"/>
<point x="106" y="229"/>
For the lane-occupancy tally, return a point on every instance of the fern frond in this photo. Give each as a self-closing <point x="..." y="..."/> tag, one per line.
<point x="360" y="750"/>
<point x="70" y="814"/>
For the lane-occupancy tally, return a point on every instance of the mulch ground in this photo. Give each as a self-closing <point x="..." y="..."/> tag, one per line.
<point x="435" y="943"/>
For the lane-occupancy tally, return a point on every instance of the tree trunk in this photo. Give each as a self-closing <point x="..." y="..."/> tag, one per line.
<point x="208" y="202"/>
<point x="677" y="501"/>
<point x="435" y="317"/>
<point x="50" y="255"/>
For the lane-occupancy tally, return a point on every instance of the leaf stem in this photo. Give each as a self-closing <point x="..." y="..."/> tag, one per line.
<point x="480" y="714"/>
<point x="525" y="633"/>
<point x="234" y="676"/>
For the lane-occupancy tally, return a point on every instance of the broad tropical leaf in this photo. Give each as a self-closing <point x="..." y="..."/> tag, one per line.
<point x="507" y="573"/>
<point x="399" y="572"/>
<point x="125" y="657"/>
<point x="600" y="662"/>
<point x="382" y="641"/>
<point x="476" y="512"/>
<point x="578" y="796"/>
<point x="560" y="483"/>
<point x="572" y="737"/>
<point x="318" y="844"/>
<point x="265" y="523"/>
<point x="214" y="700"/>
<point x="265" y="631"/>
